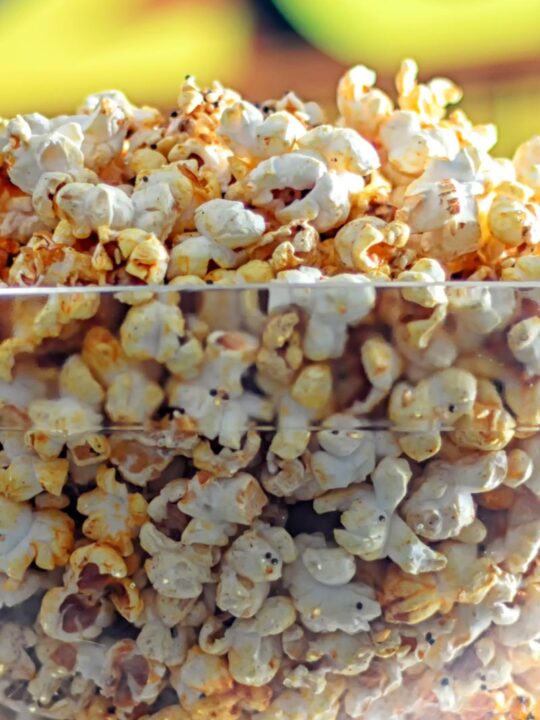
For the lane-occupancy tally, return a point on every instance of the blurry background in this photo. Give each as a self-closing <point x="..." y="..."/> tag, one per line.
<point x="56" y="51"/>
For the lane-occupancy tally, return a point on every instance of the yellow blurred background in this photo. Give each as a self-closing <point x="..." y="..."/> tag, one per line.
<point x="56" y="51"/>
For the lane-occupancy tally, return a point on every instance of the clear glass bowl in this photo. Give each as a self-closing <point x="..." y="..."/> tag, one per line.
<point x="304" y="502"/>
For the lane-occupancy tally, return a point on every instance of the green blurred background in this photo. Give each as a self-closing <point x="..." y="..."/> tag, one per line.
<point x="56" y="51"/>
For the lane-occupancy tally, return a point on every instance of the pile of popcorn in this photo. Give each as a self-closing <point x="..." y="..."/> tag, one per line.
<point x="311" y="496"/>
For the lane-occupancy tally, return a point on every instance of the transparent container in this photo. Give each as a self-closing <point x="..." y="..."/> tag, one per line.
<point x="289" y="502"/>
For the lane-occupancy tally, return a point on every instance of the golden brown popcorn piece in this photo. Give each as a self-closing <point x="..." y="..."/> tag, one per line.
<point x="27" y="476"/>
<point x="138" y="462"/>
<point x="465" y="579"/>
<point x="489" y="426"/>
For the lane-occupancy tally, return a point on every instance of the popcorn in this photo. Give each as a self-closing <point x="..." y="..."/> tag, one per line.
<point x="523" y="341"/>
<point x="372" y="528"/>
<point x="362" y="106"/>
<point x="343" y="150"/>
<point x="174" y="569"/>
<point x="114" y="516"/>
<point x="443" y="504"/>
<point x="95" y="584"/>
<point x="382" y="366"/>
<point x="335" y="603"/>
<point x="15" y="642"/>
<point x="366" y="243"/>
<point x="217" y="504"/>
<point x="90" y="207"/>
<point x="253" y="561"/>
<point x="228" y="223"/>
<point x="41" y="536"/>
<point x="201" y="673"/>
<point x="315" y="193"/>
<point x="465" y="578"/>
<point x="250" y="133"/>
<point x="313" y="498"/>
<point x="29" y="153"/>
<point x="215" y="401"/>
<point x="132" y="679"/>
<point x="443" y="397"/>
<point x="152" y="330"/>
<point x="410" y="147"/>
<point x="346" y="454"/>
<point x="253" y="651"/>
<point x="335" y="299"/>
<point x="26" y="477"/>
<point x="526" y="162"/>
<point x="511" y="219"/>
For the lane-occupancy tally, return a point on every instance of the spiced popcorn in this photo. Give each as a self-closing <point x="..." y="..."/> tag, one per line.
<point x="269" y="412"/>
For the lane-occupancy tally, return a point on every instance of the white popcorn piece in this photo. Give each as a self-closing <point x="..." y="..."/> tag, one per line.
<point x="327" y="606"/>
<point x="194" y="253"/>
<point x="337" y="303"/>
<point x="15" y="592"/>
<point x="373" y="530"/>
<point x="201" y="673"/>
<point x="95" y="584"/>
<point x="27" y="476"/>
<point x="89" y="207"/>
<point x="19" y="221"/>
<point x="524" y="342"/>
<point x="114" y="516"/>
<point x="251" y="134"/>
<point x="152" y="331"/>
<point x="527" y="163"/>
<point x="309" y="397"/>
<point x="521" y="540"/>
<point x="126" y="666"/>
<point x="227" y="462"/>
<point x="32" y="151"/>
<point x="154" y="208"/>
<point x="410" y="146"/>
<point x="161" y="638"/>
<point x="297" y="186"/>
<point x="229" y="223"/>
<point x="443" y="504"/>
<point x="346" y="454"/>
<point x="253" y="649"/>
<point x="215" y="401"/>
<point x="512" y="218"/>
<point x="479" y="310"/>
<point x="213" y="157"/>
<point x="27" y="535"/>
<point x="104" y="128"/>
<point x="217" y="505"/>
<point x="342" y="149"/>
<point x="137" y="116"/>
<point x="442" y="398"/>
<point x="362" y="106"/>
<point x="361" y="701"/>
<point x="174" y="569"/>
<point x="76" y="380"/>
<point x="253" y="561"/>
<point x="15" y="641"/>
<point x="304" y="704"/>
<point x="429" y="272"/>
